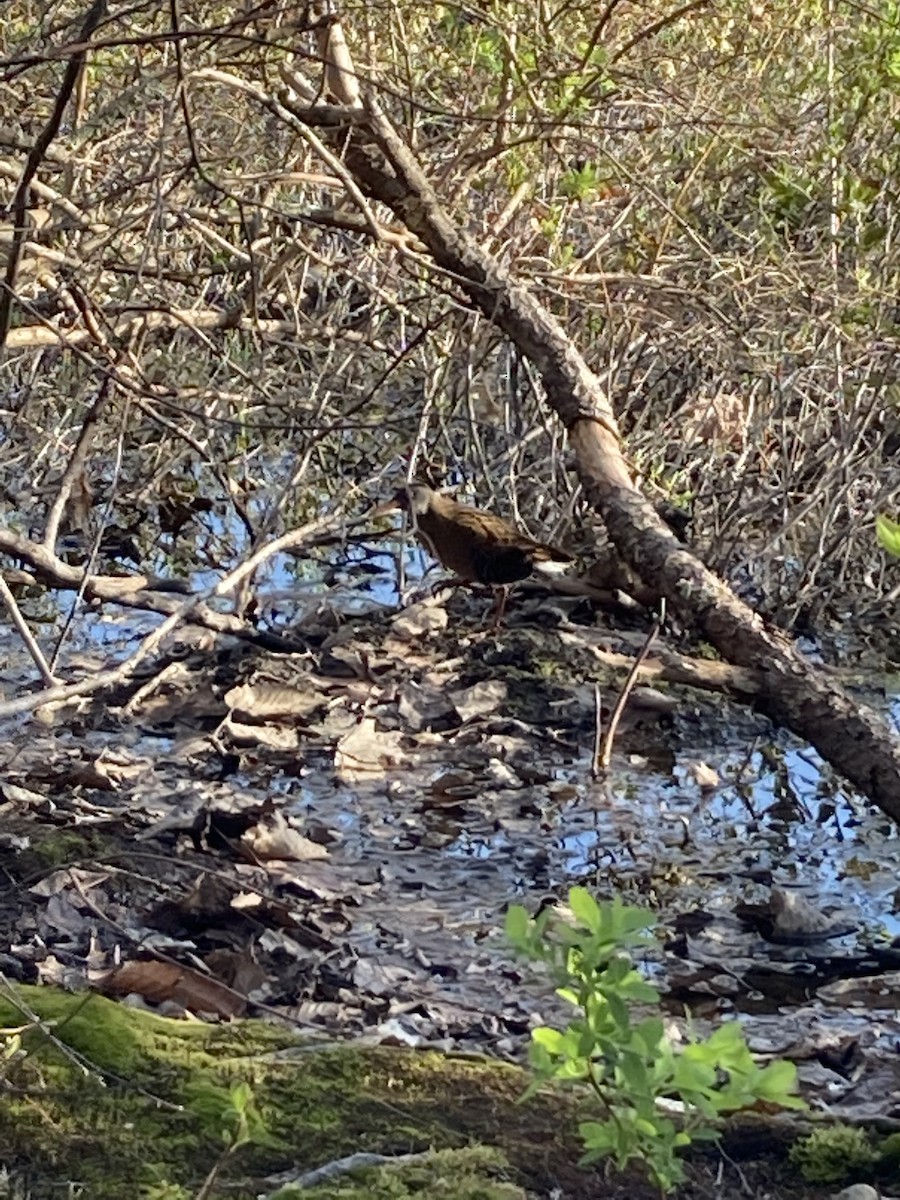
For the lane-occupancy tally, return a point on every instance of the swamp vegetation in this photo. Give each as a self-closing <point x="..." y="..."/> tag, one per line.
<point x="585" y="267"/>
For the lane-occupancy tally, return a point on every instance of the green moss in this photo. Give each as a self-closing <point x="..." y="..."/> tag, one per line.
<point x="833" y="1154"/>
<point x="475" y="1173"/>
<point x="149" y="1116"/>
<point x="111" y="1037"/>
<point x="63" y="846"/>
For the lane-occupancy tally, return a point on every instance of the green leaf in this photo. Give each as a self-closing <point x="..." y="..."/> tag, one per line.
<point x="693" y="1076"/>
<point x="598" y="1137"/>
<point x="888" y="534"/>
<point x="241" y="1094"/>
<point x="777" y="1083"/>
<point x="618" y="1010"/>
<point x="650" y="1033"/>
<point x="584" y="908"/>
<point x="633" y="1073"/>
<point x="517" y="925"/>
<point x="551" y="1040"/>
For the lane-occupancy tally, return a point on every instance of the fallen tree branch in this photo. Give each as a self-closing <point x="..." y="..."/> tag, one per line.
<point x="849" y="735"/>
<point x="136" y="592"/>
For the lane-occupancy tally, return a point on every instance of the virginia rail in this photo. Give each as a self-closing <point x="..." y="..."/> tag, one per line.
<point x="478" y="546"/>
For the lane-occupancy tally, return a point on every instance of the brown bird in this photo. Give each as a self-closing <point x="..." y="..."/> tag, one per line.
<point x="478" y="546"/>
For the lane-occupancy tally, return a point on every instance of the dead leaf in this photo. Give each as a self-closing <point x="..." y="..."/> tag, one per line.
<point x="367" y="751"/>
<point x="237" y="969"/>
<point x="500" y="775"/>
<point x="276" y="737"/>
<point x="316" y="880"/>
<point x="451" y="787"/>
<point x="653" y="700"/>
<point x="797" y="920"/>
<point x="423" y="707"/>
<point x="705" y="776"/>
<point x="479" y="700"/>
<point x="24" y="797"/>
<point x="58" y="881"/>
<point x="272" y="702"/>
<point x="273" y="838"/>
<point x="379" y="979"/>
<point x="158" y="982"/>
<point x="62" y="914"/>
<point x="418" y="621"/>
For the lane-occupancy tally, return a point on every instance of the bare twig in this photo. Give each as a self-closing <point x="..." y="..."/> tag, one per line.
<point x="36" y="156"/>
<point x="178" y="615"/>
<point x="601" y="761"/>
<point x="26" y="635"/>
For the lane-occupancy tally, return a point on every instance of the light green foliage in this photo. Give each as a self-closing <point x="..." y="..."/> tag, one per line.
<point x="229" y="1112"/>
<point x="626" y="1056"/>
<point x="888" y="534"/>
<point x="834" y="1154"/>
<point x="581" y="183"/>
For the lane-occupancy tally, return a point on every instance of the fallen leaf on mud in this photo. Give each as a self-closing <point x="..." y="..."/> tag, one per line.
<point x="500" y="775"/>
<point x="209" y="900"/>
<point x="273" y="838"/>
<point x="561" y="792"/>
<point x="53" y="973"/>
<point x="335" y="725"/>
<point x="276" y="737"/>
<point x="158" y="982"/>
<point x="379" y="979"/>
<point x="101" y="774"/>
<point x="62" y="915"/>
<point x="394" y="1032"/>
<point x="24" y="797"/>
<point x="451" y="787"/>
<point x="272" y="702"/>
<point x="797" y="920"/>
<point x="653" y="700"/>
<point x="418" y="621"/>
<point x="366" y="751"/>
<point x="15" y="843"/>
<point x="348" y="662"/>
<point x="423" y="707"/>
<point x="313" y="880"/>
<point x="480" y="699"/>
<point x="66" y="877"/>
<point x="705" y="777"/>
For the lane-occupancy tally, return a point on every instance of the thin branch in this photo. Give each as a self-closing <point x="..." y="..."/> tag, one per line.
<point x="36" y="156"/>
<point x="26" y="635"/>
<point x="601" y="761"/>
<point x="179" y="614"/>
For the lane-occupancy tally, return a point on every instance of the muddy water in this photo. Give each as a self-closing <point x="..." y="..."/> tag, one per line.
<point x="425" y="883"/>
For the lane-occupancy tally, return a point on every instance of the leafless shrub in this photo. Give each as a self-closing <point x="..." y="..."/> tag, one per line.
<point x="705" y="197"/>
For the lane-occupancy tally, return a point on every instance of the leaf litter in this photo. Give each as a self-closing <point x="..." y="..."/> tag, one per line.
<point x="333" y="838"/>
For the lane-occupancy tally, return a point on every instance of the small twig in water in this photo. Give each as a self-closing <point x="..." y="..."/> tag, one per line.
<point x="601" y="761"/>
<point x="598" y="730"/>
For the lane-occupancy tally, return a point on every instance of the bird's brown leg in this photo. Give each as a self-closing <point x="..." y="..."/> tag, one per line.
<point x="502" y="598"/>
